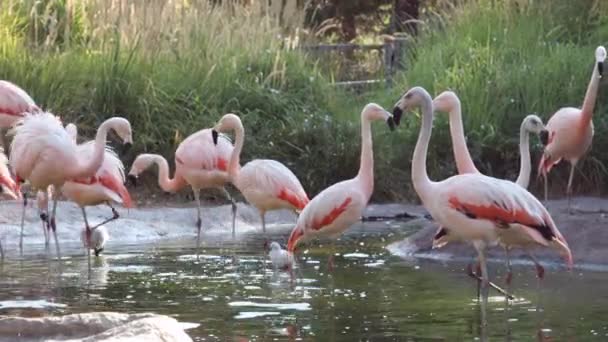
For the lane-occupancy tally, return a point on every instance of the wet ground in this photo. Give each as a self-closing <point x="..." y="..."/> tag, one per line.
<point x="375" y="293"/>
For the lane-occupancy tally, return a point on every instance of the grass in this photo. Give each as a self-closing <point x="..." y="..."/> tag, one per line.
<point x="174" y="67"/>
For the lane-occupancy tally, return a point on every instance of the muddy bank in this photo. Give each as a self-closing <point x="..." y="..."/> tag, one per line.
<point x="586" y="231"/>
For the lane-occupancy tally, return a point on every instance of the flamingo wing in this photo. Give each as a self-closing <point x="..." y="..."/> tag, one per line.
<point x="330" y="212"/>
<point x="111" y="174"/>
<point x="274" y="178"/>
<point x="502" y="202"/>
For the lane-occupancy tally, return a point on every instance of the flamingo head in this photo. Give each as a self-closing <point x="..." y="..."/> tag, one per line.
<point x="140" y="164"/>
<point x="416" y="96"/>
<point x="228" y="122"/>
<point x="9" y="188"/>
<point x="122" y="127"/>
<point x="600" y="57"/>
<point x="446" y="102"/>
<point x="533" y="124"/>
<point x="373" y="112"/>
<point x="441" y="238"/>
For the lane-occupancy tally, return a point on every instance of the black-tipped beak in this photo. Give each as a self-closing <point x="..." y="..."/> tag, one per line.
<point x="391" y="123"/>
<point x="98" y="251"/>
<point x="600" y="68"/>
<point x="397" y="113"/>
<point x="132" y="180"/>
<point x="126" y="147"/>
<point x="544" y="137"/>
<point x="214" y="135"/>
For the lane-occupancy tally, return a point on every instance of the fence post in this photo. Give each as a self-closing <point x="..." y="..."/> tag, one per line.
<point x="388" y="54"/>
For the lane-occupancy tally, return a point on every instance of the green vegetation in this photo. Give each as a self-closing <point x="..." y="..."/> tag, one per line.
<point x="172" y="68"/>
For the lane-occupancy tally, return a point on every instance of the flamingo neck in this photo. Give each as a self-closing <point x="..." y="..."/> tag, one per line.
<point x="366" y="166"/>
<point x="524" y="152"/>
<point x="420" y="178"/>
<point x="590" y="96"/>
<point x="464" y="163"/>
<point x="90" y="167"/>
<point x="166" y="183"/>
<point x="235" y="158"/>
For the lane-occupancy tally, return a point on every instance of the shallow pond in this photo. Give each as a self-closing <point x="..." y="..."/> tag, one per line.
<point x="371" y="295"/>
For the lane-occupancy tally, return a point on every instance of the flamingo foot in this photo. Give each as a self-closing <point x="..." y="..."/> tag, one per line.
<point x="540" y="271"/>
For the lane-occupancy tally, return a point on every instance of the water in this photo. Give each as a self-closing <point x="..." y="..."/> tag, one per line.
<point x="371" y="295"/>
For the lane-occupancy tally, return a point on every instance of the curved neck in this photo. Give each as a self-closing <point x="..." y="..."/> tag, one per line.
<point x="464" y="163"/>
<point x="524" y="152"/>
<point x="420" y="178"/>
<point x="235" y="158"/>
<point x="590" y="96"/>
<point x="366" y="166"/>
<point x="166" y="183"/>
<point x="91" y="165"/>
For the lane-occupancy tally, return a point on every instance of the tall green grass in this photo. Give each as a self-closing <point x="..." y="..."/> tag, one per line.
<point x="507" y="59"/>
<point x="173" y="67"/>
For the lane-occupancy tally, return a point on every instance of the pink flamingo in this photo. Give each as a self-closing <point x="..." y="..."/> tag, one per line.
<point x="8" y="187"/>
<point x="338" y="207"/>
<point x="569" y="131"/>
<point x="104" y="187"/>
<point x="449" y="102"/>
<point x="474" y="207"/>
<point x="14" y="104"/>
<point x="43" y="153"/>
<point x="198" y="162"/>
<point x="266" y="184"/>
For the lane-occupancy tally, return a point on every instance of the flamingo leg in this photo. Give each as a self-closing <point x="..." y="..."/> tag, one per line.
<point x="509" y="276"/>
<point x="54" y="224"/>
<point x="233" y="211"/>
<point x="87" y="240"/>
<point x="569" y="188"/>
<point x="115" y="216"/>
<point x="546" y="186"/>
<point x="1" y="252"/>
<point x="198" y="221"/>
<point x="484" y="275"/>
<point x="22" y="223"/>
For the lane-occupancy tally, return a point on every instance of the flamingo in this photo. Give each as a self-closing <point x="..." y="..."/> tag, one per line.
<point x="339" y="206"/>
<point x="104" y="187"/>
<point x="8" y="187"/>
<point x="569" y="131"/>
<point x="198" y="162"/>
<point x="96" y="239"/>
<point x="266" y="184"/>
<point x="281" y="259"/>
<point x="43" y="153"/>
<point x="14" y="104"/>
<point x="474" y="207"/>
<point x="449" y="102"/>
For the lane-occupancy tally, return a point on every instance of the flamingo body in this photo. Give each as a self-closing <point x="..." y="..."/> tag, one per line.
<point x="107" y="185"/>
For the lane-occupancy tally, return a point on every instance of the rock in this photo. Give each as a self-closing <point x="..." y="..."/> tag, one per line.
<point x="97" y="326"/>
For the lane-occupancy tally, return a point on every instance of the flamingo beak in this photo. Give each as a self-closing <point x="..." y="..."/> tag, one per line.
<point x="600" y="68"/>
<point x="9" y="188"/>
<point x="391" y="123"/>
<point x="397" y="113"/>
<point x="214" y="135"/>
<point x="544" y="137"/>
<point x="131" y="180"/>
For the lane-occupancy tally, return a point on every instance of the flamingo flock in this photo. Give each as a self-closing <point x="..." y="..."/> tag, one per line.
<point x="469" y="207"/>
